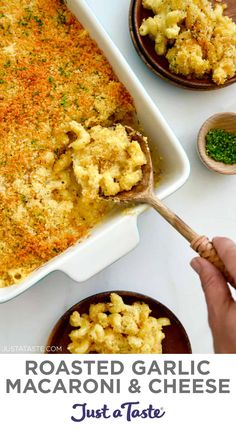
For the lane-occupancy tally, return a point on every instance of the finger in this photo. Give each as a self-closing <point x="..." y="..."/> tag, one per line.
<point x="226" y="249"/>
<point x="217" y="293"/>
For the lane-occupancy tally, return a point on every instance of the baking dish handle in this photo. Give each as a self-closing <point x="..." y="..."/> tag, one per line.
<point x="101" y="250"/>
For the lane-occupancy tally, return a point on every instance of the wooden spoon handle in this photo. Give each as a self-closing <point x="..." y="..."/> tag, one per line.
<point x="205" y="248"/>
<point x="201" y="244"/>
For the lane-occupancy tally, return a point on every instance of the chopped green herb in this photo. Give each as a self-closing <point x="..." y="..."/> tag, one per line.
<point x="23" y="198"/>
<point x="64" y="101"/>
<point x="38" y="21"/>
<point x="56" y="250"/>
<point x="221" y="146"/>
<point x="82" y="87"/>
<point x="63" y="72"/>
<point x="57" y="152"/>
<point x="51" y="80"/>
<point x="7" y="64"/>
<point x="34" y="141"/>
<point x="23" y="23"/>
<point x="61" y="18"/>
<point x="2" y="81"/>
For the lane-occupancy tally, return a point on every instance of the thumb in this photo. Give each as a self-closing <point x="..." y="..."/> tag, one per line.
<point x="217" y="293"/>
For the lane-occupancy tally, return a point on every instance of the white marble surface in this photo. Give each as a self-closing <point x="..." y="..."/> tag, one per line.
<point x="159" y="266"/>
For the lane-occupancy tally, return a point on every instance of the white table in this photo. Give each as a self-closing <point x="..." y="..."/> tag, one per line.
<point x="159" y="266"/>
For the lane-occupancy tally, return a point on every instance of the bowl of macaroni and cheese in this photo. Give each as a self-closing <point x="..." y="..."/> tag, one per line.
<point x="191" y="43"/>
<point x="119" y="322"/>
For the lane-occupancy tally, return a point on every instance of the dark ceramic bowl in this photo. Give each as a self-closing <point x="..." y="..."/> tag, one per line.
<point x="176" y="340"/>
<point x="159" y="64"/>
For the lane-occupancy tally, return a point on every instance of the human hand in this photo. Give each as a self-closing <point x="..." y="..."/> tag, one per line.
<point x="221" y="306"/>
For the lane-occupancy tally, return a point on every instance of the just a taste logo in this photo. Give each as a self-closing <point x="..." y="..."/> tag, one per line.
<point x="127" y="410"/>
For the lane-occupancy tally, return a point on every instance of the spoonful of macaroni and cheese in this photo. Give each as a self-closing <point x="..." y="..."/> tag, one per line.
<point x="115" y="163"/>
<point x="106" y="161"/>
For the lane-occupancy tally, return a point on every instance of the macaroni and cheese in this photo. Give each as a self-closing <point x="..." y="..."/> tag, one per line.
<point x="196" y="38"/>
<point x="117" y="328"/>
<point x="106" y="160"/>
<point x="52" y="74"/>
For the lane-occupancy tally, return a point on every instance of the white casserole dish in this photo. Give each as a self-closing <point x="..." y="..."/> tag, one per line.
<point x="118" y="234"/>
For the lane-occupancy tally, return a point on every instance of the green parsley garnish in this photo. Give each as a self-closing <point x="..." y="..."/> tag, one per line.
<point x="23" y="23"/>
<point x="7" y="64"/>
<point x="63" y="72"/>
<point x="34" y="142"/>
<point x="64" y="101"/>
<point x="51" y="80"/>
<point x="61" y="18"/>
<point x="221" y="146"/>
<point x="38" y="21"/>
<point x="23" y="198"/>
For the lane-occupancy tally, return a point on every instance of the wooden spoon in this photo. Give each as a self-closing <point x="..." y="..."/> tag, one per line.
<point x="143" y="192"/>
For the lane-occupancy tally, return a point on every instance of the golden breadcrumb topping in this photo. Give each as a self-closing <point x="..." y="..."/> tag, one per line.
<point x="51" y="73"/>
<point x="194" y="35"/>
